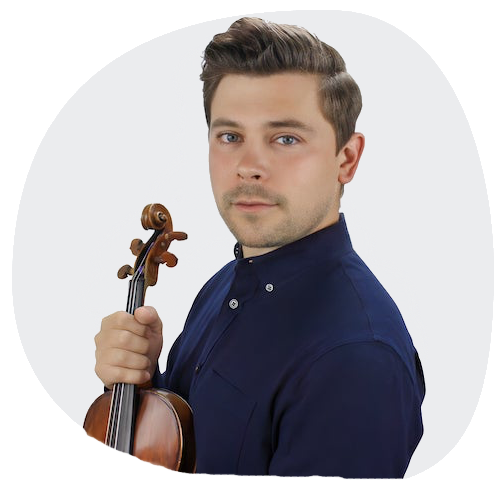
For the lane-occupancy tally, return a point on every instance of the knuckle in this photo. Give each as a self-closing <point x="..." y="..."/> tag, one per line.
<point x="119" y="374"/>
<point x="106" y="320"/>
<point x="123" y="338"/>
<point x="122" y="320"/>
<point x="110" y="322"/>
<point x="118" y="357"/>
<point x="145" y="363"/>
<point x="127" y="376"/>
<point x="142" y="346"/>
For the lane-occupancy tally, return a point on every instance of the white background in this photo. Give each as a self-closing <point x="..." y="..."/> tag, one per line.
<point x="135" y="133"/>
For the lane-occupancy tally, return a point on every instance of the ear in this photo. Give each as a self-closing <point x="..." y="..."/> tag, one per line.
<point x="350" y="155"/>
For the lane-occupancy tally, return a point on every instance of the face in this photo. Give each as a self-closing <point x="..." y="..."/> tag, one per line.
<point x="273" y="165"/>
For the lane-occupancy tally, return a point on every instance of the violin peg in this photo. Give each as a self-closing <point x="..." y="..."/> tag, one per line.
<point x="136" y="246"/>
<point x="167" y="258"/>
<point x="178" y="235"/>
<point x="125" y="271"/>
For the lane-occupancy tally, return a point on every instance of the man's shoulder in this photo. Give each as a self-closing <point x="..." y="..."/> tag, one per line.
<point x="358" y="309"/>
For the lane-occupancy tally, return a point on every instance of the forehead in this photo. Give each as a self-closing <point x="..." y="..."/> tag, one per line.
<point x="263" y="98"/>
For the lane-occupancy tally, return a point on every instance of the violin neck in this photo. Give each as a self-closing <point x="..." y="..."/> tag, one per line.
<point x="136" y="292"/>
<point x="120" y="432"/>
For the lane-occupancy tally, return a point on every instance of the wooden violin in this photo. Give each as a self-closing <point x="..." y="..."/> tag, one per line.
<point x="154" y="425"/>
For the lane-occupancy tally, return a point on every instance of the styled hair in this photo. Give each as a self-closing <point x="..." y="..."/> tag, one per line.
<point x="256" y="47"/>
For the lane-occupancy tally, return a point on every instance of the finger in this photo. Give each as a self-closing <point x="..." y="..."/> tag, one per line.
<point x="124" y="339"/>
<point x="123" y="321"/>
<point x="147" y="315"/>
<point x="124" y="359"/>
<point x="111" y="375"/>
<point x="121" y="339"/>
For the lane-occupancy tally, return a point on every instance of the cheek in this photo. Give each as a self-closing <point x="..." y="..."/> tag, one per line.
<point x="218" y="172"/>
<point x="312" y="181"/>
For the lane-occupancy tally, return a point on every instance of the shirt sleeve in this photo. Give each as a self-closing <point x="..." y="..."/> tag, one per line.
<point x="355" y="413"/>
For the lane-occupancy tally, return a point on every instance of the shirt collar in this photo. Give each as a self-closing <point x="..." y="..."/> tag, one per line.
<point x="329" y="243"/>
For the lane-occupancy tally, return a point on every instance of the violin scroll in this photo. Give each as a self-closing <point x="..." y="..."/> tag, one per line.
<point x="155" y="252"/>
<point x="156" y="216"/>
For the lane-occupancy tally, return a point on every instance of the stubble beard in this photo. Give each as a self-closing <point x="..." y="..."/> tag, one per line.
<point x="254" y="230"/>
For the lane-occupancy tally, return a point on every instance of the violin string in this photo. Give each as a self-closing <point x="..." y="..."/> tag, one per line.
<point x="115" y="413"/>
<point x="117" y="418"/>
<point x="109" y="436"/>
<point x="111" y="418"/>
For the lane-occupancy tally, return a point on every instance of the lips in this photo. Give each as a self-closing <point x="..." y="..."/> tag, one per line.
<point x="252" y="202"/>
<point x="253" y="205"/>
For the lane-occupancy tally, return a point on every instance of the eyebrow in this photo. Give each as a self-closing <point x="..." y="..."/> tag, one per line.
<point x="224" y="122"/>
<point x="285" y="123"/>
<point x="289" y="123"/>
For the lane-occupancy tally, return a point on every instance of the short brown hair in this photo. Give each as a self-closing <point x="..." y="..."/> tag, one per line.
<point x="253" y="46"/>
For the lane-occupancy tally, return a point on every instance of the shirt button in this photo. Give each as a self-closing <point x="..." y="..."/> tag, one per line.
<point x="269" y="287"/>
<point x="197" y="369"/>
<point x="233" y="303"/>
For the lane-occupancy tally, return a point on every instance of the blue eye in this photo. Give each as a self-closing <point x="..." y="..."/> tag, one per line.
<point x="287" y="140"/>
<point x="228" y="137"/>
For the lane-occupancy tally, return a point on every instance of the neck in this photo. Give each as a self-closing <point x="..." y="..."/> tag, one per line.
<point x="256" y="252"/>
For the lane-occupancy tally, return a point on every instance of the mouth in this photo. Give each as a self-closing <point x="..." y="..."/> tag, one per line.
<point x="253" y="205"/>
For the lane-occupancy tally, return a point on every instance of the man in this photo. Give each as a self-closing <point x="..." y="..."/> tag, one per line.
<point x="294" y="358"/>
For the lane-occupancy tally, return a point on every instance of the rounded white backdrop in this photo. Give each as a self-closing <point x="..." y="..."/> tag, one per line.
<point x="135" y="133"/>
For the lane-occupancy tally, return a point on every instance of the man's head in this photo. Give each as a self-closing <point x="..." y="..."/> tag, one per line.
<point x="281" y="112"/>
<point x="252" y="46"/>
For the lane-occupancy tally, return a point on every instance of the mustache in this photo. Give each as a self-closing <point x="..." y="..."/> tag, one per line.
<point x="252" y="191"/>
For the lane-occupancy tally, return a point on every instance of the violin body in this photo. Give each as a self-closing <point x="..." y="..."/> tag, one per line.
<point x="163" y="431"/>
<point x="154" y="425"/>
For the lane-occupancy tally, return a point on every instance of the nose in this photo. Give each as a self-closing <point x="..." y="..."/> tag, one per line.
<point x="253" y="164"/>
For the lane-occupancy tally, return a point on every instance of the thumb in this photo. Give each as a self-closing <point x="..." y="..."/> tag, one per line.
<point x="147" y="316"/>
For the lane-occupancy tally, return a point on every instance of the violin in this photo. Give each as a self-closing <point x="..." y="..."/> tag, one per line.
<point x="154" y="425"/>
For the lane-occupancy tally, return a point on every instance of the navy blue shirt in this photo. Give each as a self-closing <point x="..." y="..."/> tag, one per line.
<point x="298" y="362"/>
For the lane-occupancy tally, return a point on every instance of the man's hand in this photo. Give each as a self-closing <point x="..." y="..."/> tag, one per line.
<point x="128" y="346"/>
